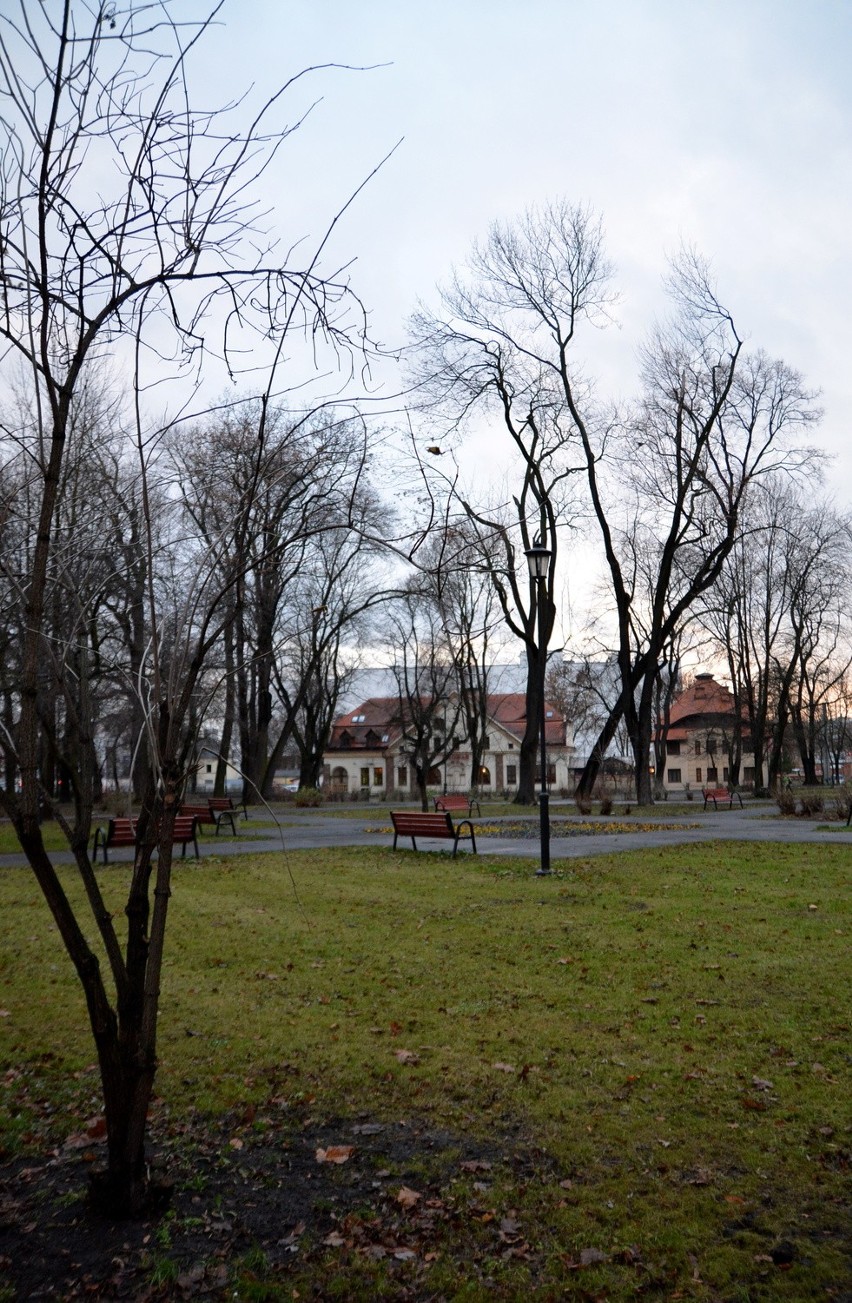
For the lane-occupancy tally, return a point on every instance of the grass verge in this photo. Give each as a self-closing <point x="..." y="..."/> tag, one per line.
<point x="653" y="1047"/>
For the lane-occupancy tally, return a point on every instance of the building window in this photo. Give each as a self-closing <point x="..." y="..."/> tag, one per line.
<point x="551" y="775"/>
<point x="698" y="746"/>
<point x="434" y="779"/>
<point x="486" y="743"/>
<point x="365" y="777"/>
<point x="484" y="776"/>
<point x="725" y="774"/>
<point x="378" y="776"/>
<point x="712" y="774"/>
<point x="748" y="774"/>
<point x="209" y="769"/>
<point x="674" y="776"/>
<point x="402" y="776"/>
<point x="511" y="775"/>
<point x="673" y="748"/>
<point x="698" y="773"/>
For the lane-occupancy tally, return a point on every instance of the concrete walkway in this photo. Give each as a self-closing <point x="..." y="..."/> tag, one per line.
<point x="313" y="829"/>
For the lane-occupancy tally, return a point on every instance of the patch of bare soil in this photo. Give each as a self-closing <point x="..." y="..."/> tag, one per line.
<point x="238" y="1194"/>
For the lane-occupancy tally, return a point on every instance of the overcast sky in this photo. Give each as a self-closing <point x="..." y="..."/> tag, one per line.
<point x="723" y="124"/>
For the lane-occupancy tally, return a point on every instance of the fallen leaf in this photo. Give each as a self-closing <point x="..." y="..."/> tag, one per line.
<point x="756" y="1105"/>
<point x="408" y="1198"/>
<point x="235" y="1142"/>
<point x="590" y="1257"/>
<point x="407" y="1056"/>
<point x="335" y="1240"/>
<point x="760" y="1084"/>
<point x="335" y="1154"/>
<point x="503" y="1067"/>
<point x="405" y="1255"/>
<point x="476" y="1165"/>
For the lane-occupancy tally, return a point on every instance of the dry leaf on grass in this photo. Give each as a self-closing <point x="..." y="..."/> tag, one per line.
<point x="503" y="1067"/>
<point x="335" y="1154"/>
<point x="407" y="1197"/>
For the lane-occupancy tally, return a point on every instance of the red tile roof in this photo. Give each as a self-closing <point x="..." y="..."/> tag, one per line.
<point x="384" y="717"/>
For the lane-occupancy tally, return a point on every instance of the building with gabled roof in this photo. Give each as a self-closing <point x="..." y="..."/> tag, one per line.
<point x="700" y="738"/>
<point x="367" y="751"/>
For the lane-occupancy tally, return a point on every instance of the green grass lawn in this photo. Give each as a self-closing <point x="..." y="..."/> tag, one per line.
<point x="666" y="1033"/>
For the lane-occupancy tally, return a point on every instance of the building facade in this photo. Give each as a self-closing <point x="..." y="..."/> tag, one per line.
<point x="368" y="753"/>
<point x="701" y="738"/>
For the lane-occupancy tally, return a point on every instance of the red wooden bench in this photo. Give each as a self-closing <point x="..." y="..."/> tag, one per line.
<point x="413" y="824"/>
<point x="717" y="794"/>
<point x="118" y="832"/>
<point x="217" y="812"/>
<point x="226" y="805"/>
<point x="457" y="801"/>
<point x="122" y="832"/>
<point x="200" y="813"/>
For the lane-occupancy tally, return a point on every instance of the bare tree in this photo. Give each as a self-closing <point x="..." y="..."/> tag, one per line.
<point x="711" y="419"/>
<point x="427" y="678"/>
<point x="777" y="613"/>
<point x="94" y="98"/>
<point x="497" y="353"/>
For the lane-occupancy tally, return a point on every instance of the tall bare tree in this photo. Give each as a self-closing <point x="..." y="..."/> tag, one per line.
<point x="676" y="467"/>
<point x="126" y="219"/>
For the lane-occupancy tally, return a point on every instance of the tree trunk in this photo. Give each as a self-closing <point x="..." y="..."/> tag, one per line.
<point x="526" y="794"/>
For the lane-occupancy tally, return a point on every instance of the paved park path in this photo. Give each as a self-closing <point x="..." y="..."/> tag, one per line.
<point x="313" y="829"/>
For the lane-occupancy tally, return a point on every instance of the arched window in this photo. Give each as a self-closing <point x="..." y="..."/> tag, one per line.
<point x="339" y="779"/>
<point x="484" y="776"/>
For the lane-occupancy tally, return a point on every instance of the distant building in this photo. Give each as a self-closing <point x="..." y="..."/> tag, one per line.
<point x="204" y="778"/>
<point x="700" y="737"/>
<point x="368" y="752"/>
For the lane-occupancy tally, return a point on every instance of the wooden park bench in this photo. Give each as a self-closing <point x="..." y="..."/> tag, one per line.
<point x="717" y="794"/>
<point x="457" y="801"/>
<point x="118" y="832"/>
<point x="413" y="824"/>
<point x="218" y="811"/>
<point x="227" y="805"/>
<point x="123" y="832"/>
<point x="200" y="813"/>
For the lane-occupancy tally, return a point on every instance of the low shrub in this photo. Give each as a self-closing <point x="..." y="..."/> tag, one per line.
<point x="812" y="803"/>
<point x="606" y="805"/>
<point x="786" y="801"/>
<point x="307" y="797"/>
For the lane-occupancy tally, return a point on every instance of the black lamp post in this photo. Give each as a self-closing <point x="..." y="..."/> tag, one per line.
<point x="538" y="560"/>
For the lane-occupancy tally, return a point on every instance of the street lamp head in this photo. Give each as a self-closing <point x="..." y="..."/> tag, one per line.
<point x="538" y="559"/>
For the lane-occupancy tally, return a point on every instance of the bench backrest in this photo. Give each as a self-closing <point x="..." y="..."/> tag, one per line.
<point x="416" y="822"/>
<point x="121" y="832"/>
<point x="221" y="803"/>
<point x="452" y="802"/>
<point x="184" y="828"/>
<point x="204" y="813"/>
